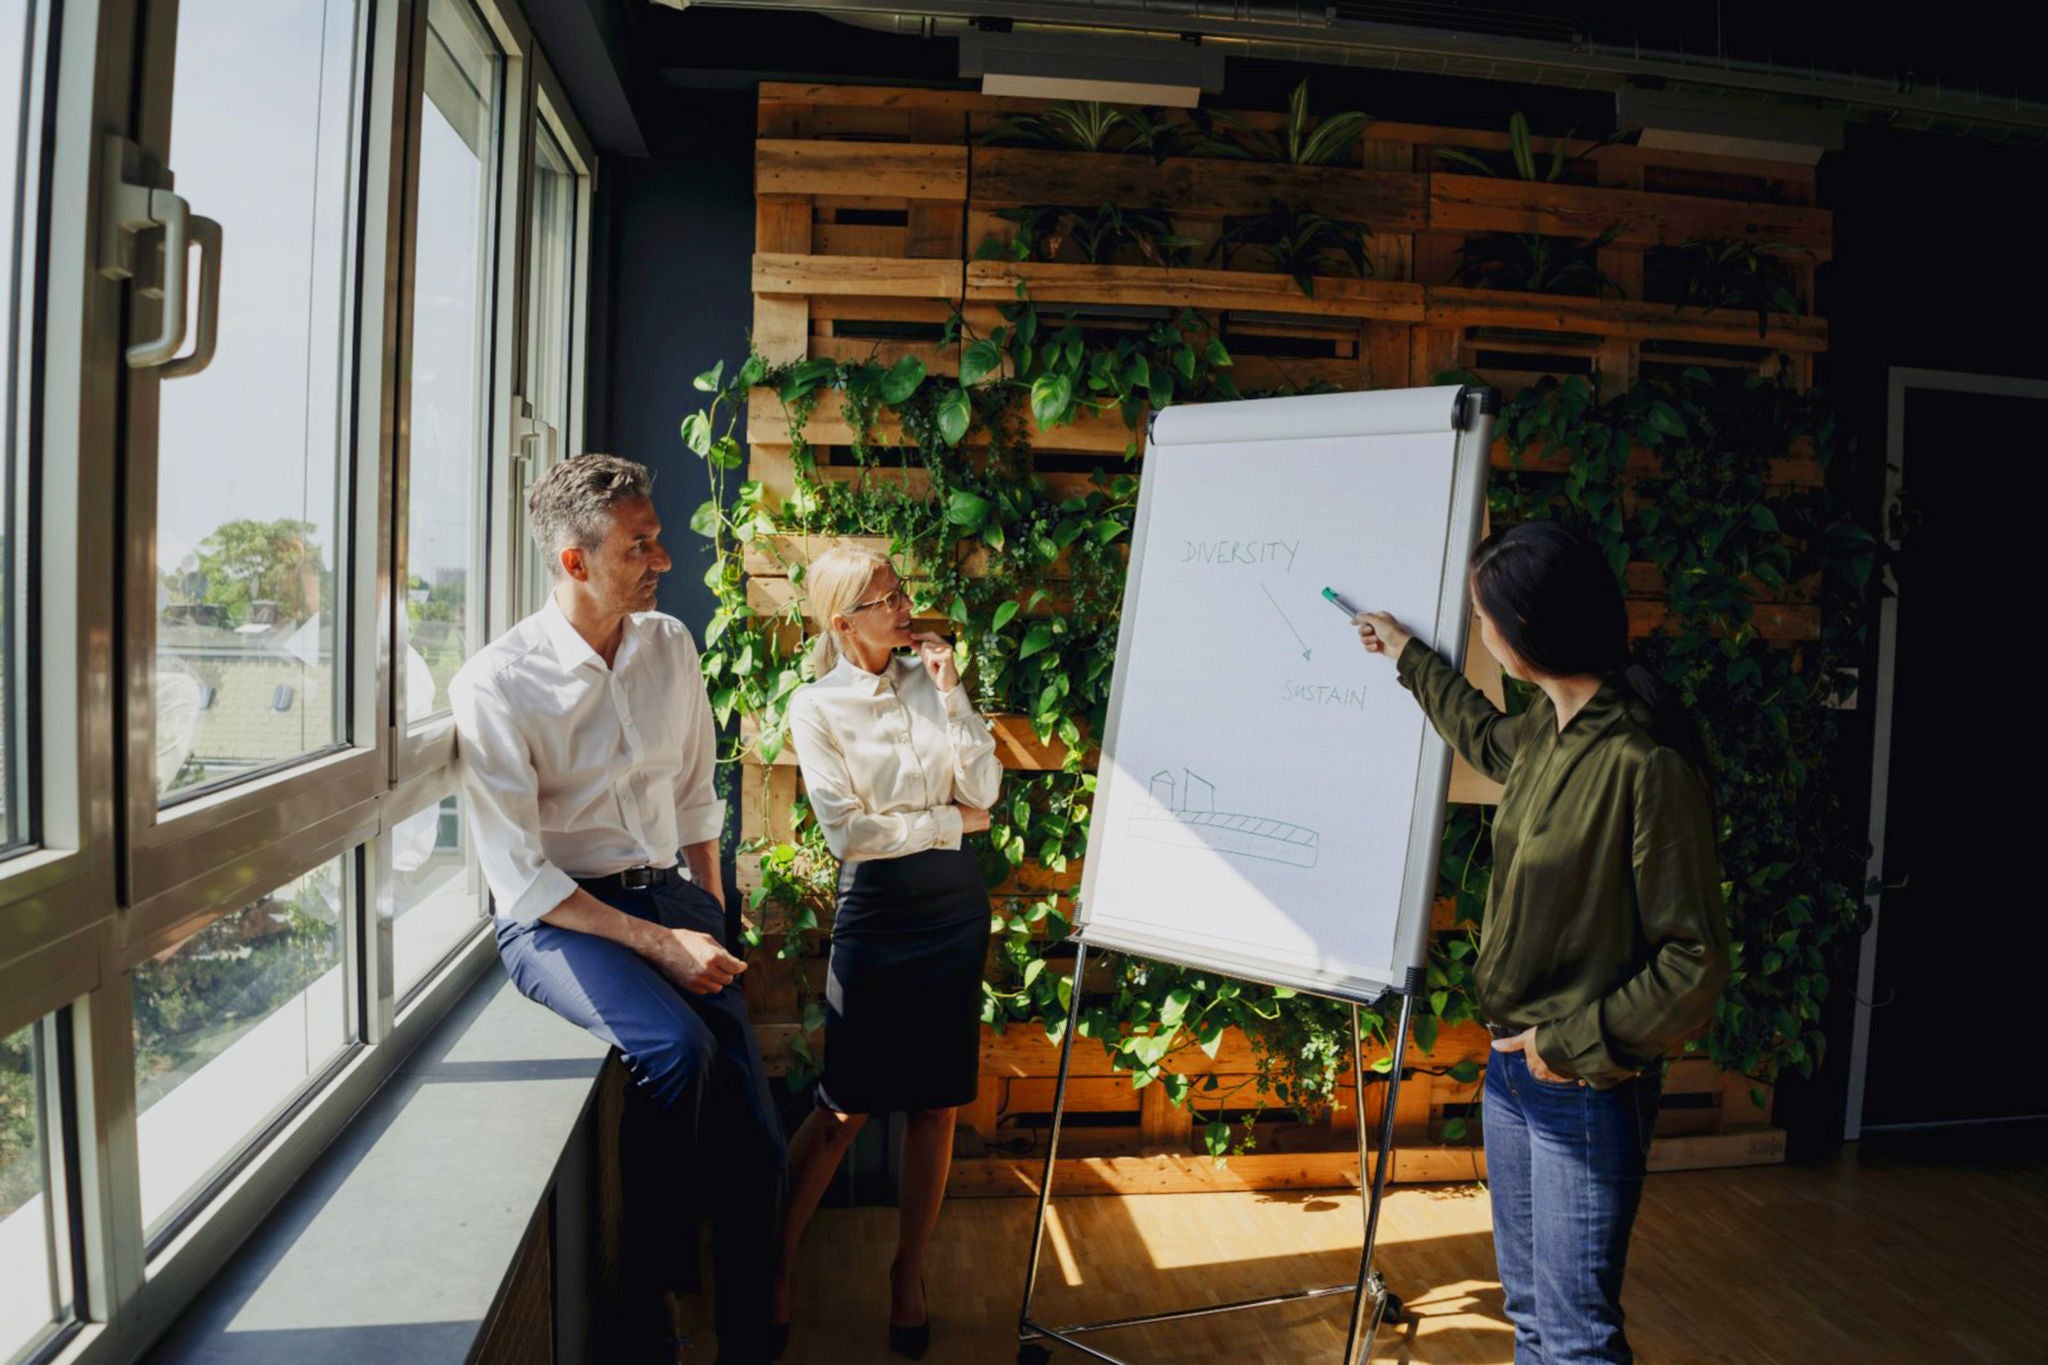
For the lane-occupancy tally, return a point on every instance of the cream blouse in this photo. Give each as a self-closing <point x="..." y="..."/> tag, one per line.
<point x="886" y="756"/>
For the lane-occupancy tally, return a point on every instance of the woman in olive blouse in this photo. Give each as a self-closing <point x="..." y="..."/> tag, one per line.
<point x="1604" y="940"/>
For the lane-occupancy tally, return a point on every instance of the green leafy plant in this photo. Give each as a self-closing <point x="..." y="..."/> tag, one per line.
<point x="1752" y="276"/>
<point x="1522" y="162"/>
<point x="1298" y="243"/>
<point x="1032" y="582"/>
<point x="1533" y="263"/>
<point x="1304" y="140"/>
<point x="1091" y="126"/>
<point x="1098" y="234"/>
<point x="1527" y="261"/>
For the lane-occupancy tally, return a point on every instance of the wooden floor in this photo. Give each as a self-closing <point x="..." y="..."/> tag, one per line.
<point x="1870" y="1259"/>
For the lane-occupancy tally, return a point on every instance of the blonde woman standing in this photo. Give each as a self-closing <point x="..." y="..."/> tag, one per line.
<point x="898" y="767"/>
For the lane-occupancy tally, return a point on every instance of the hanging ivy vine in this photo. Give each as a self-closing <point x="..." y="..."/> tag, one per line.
<point x="1032" y="582"/>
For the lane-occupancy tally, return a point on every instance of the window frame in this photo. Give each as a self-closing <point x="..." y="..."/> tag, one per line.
<point x="58" y="888"/>
<point x="419" y="749"/>
<point x="524" y="576"/>
<point x="171" y="848"/>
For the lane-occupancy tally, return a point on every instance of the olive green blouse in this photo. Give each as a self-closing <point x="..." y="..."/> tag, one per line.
<point x="1604" y="925"/>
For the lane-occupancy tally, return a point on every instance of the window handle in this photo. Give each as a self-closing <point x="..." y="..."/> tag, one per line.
<point x="133" y="209"/>
<point x="206" y="235"/>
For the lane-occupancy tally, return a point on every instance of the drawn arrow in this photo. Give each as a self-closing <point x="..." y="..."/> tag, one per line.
<point x="1284" y="621"/>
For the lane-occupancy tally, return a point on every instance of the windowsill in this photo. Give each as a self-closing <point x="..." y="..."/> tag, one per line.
<point x="395" y="1243"/>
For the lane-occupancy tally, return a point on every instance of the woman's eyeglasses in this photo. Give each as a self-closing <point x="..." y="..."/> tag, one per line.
<point x="892" y="599"/>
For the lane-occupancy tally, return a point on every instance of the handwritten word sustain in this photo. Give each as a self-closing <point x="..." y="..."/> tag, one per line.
<point x="1323" y="694"/>
<point x="1279" y="552"/>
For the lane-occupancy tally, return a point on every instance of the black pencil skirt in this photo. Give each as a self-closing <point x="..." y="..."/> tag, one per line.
<point x="903" y="988"/>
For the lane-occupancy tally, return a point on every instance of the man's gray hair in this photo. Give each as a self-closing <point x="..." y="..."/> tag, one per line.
<point x="572" y="504"/>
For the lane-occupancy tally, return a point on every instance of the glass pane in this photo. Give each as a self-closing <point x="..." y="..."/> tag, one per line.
<point x="229" y="1026"/>
<point x="30" y="1304"/>
<point x="549" y="297"/>
<point x="436" y="891"/>
<point x="551" y="263"/>
<point x="451" y="365"/>
<point x="19" y="64"/>
<point x="252" y="453"/>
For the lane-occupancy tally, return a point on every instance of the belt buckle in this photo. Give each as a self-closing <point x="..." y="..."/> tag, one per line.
<point x="637" y="878"/>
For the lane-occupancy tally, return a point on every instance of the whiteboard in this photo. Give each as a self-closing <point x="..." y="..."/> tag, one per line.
<point x="1270" y="800"/>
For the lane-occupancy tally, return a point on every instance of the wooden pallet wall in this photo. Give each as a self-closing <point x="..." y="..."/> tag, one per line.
<point x="871" y="203"/>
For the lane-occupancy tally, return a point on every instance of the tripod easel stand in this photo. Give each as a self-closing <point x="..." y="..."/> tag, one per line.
<point x="1372" y="1303"/>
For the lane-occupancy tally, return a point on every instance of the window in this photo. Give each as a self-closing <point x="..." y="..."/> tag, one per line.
<point x="437" y="891"/>
<point x="454" y="265"/>
<point x="18" y="163"/>
<point x="550" y="339"/>
<point x="252" y="460"/>
<point x="550" y="280"/>
<point x="231" y="1025"/>
<point x="36" y="1298"/>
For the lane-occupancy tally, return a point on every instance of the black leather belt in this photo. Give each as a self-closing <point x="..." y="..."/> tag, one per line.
<point x="634" y="879"/>
<point x="1503" y="1030"/>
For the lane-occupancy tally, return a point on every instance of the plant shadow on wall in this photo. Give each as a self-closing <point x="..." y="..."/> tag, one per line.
<point x="1030" y="580"/>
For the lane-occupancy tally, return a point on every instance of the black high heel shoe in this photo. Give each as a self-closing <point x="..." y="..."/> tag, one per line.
<point x="913" y="1341"/>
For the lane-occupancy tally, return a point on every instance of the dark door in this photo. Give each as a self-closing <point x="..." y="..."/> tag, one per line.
<point x="1957" y="950"/>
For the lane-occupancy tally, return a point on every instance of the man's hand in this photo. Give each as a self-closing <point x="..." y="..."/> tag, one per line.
<point x="696" y="962"/>
<point x="1525" y="1043"/>
<point x="973" y="819"/>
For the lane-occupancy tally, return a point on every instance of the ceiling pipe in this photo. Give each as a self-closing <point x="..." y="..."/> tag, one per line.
<point x="1277" y="30"/>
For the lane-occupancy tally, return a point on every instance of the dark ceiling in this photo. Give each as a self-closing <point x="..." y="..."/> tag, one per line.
<point x="1959" y="47"/>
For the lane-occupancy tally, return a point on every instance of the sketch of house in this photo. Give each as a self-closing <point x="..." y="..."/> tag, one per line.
<point x="1182" y="812"/>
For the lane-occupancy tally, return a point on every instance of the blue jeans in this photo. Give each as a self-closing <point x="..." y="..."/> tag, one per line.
<point x="710" y="1127"/>
<point x="1564" y="1164"/>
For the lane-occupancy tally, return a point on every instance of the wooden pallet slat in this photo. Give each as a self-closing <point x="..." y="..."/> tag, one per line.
<point x="1479" y="203"/>
<point x="867" y="276"/>
<point x="1051" y="284"/>
<point x="794" y="166"/>
<point x="1627" y="319"/>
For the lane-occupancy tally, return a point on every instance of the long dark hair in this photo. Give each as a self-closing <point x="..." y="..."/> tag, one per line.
<point x="1557" y="605"/>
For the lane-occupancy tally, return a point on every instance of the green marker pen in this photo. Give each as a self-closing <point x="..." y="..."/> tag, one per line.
<point x="1336" y="600"/>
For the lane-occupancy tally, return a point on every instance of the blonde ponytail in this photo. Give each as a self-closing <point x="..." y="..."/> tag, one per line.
<point x="833" y="584"/>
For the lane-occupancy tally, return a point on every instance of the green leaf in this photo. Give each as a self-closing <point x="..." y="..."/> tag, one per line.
<point x="1763" y="519"/>
<point x="705" y="522"/>
<point x="966" y="509"/>
<point x="1035" y="639"/>
<point x="955" y="414"/>
<point x="707" y="382"/>
<point x="1006" y="612"/>
<point x="1051" y="396"/>
<point x="902" y="380"/>
<point x="1665" y="419"/>
<point x="697" y="433"/>
<point x="1176" y="1007"/>
<point x="980" y="360"/>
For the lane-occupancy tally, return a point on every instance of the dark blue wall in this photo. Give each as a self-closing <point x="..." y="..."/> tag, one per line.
<point x="673" y="241"/>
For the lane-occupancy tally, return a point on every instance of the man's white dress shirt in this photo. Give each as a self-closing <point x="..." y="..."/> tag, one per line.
<point x="572" y="769"/>
<point x="886" y="756"/>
